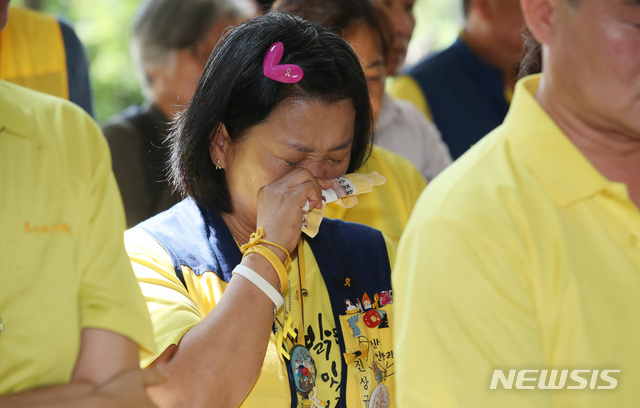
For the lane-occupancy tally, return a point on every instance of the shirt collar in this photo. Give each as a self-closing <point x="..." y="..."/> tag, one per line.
<point x="548" y="153"/>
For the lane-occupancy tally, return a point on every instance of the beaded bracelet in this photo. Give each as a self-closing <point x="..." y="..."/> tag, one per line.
<point x="262" y="284"/>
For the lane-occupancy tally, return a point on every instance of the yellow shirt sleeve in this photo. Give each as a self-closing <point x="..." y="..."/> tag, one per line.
<point x="460" y="315"/>
<point x="173" y="310"/>
<point x="405" y="87"/>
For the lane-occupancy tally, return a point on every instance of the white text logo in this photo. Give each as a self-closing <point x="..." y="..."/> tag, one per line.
<point x="554" y="379"/>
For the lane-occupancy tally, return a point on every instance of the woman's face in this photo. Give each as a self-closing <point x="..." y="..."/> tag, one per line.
<point x="366" y="42"/>
<point x="299" y="133"/>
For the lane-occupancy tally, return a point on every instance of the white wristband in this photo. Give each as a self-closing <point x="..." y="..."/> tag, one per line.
<point x="262" y="284"/>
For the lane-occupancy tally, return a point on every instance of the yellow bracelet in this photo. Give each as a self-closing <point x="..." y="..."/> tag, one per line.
<point x="275" y="262"/>
<point x="256" y="238"/>
<point x="254" y="246"/>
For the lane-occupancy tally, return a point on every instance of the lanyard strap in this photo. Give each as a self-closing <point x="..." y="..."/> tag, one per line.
<point x="301" y="285"/>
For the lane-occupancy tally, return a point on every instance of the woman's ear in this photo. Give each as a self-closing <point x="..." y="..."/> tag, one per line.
<point x="219" y="147"/>
<point x="538" y="17"/>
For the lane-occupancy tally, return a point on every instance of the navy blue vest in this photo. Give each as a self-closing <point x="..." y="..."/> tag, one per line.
<point x="201" y="240"/>
<point x="465" y="95"/>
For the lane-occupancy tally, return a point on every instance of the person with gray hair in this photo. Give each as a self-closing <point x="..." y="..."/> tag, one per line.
<point x="170" y="44"/>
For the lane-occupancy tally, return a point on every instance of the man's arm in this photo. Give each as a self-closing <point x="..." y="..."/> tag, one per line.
<point x="106" y="375"/>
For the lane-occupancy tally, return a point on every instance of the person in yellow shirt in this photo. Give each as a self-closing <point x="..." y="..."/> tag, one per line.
<point x="517" y="278"/>
<point x="72" y="318"/>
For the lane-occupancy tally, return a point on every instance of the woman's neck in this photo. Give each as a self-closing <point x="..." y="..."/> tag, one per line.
<point x="241" y="231"/>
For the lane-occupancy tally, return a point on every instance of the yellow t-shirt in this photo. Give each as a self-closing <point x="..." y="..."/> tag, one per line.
<point x="388" y="207"/>
<point x="175" y="310"/>
<point x="520" y="256"/>
<point x="64" y="267"/>
<point x="32" y="52"/>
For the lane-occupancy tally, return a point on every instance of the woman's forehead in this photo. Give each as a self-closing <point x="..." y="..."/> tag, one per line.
<point x="303" y="123"/>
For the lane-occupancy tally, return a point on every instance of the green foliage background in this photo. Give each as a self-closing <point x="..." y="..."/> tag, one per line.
<point x="104" y="28"/>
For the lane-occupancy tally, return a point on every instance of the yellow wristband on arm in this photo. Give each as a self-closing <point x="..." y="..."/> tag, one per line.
<point x="273" y="260"/>
<point x="254" y="246"/>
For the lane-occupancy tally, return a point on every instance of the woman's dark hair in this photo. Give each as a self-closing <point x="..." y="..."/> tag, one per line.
<point x="531" y="61"/>
<point x="234" y="91"/>
<point x="340" y="15"/>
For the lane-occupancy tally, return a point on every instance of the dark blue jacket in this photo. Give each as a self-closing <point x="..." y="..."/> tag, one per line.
<point x="465" y="95"/>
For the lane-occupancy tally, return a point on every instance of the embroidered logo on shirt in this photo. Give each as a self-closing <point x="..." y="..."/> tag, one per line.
<point x="45" y="229"/>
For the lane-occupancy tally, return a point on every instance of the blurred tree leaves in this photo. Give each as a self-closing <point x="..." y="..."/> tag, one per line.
<point x="438" y="23"/>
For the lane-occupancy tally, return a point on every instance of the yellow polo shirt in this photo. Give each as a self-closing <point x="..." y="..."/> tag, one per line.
<point x="520" y="256"/>
<point x="388" y="207"/>
<point x="63" y="266"/>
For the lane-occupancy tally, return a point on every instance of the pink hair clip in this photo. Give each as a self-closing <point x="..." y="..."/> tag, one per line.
<point x="285" y="73"/>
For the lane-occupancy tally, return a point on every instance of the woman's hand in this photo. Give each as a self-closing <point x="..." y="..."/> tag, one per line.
<point x="280" y="206"/>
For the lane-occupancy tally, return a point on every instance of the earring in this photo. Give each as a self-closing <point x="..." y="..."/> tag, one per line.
<point x="218" y="164"/>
